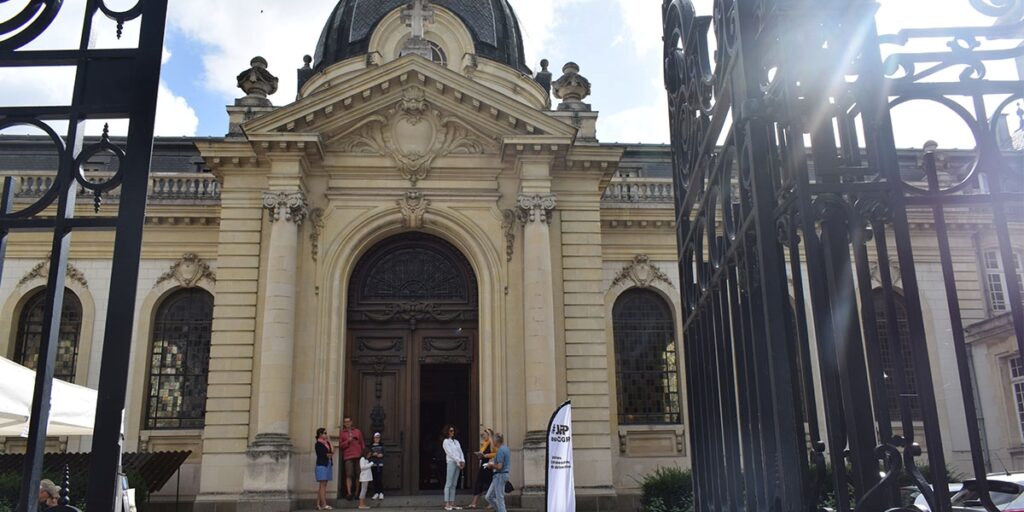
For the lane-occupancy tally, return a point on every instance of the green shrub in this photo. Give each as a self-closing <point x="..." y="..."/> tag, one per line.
<point x="667" y="489"/>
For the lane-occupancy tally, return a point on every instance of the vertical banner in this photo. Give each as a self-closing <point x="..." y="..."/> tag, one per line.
<point x="560" y="485"/>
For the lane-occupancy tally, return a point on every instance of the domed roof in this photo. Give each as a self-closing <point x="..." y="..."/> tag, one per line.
<point x="492" y="23"/>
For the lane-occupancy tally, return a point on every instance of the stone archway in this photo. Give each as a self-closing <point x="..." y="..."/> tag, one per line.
<point x="412" y="354"/>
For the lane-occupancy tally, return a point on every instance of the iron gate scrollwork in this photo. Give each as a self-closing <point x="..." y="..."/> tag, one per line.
<point x="789" y="192"/>
<point x="109" y="83"/>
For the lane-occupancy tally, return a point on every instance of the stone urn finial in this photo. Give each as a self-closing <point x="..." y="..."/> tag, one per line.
<point x="571" y="88"/>
<point x="257" y="83"/>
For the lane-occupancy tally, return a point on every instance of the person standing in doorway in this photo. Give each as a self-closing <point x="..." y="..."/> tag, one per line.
<point x="486" y="453"/>
<point x="456" y="461"/>
<point x="324" y="466"/>
<point x="377" y="458"/>
<point x="352" y="447"/>
<point x="500" y="465"/>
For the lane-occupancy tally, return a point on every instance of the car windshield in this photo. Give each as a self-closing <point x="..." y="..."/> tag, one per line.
<point x="1001" y="493"/>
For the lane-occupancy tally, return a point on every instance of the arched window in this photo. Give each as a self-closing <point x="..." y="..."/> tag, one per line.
<point x="179" y="361"/>
<point x="30" y="334"/>
<point x="646" y="368"/>
<point x="437" y="54"/>
<point x="888" y="347"/>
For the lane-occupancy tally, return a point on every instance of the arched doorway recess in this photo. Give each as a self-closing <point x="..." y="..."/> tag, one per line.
<point x="412" y="355"/>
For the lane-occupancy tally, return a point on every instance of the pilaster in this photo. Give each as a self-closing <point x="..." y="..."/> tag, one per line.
<point x="537" y="204"/>
<point x="268" y="486"/>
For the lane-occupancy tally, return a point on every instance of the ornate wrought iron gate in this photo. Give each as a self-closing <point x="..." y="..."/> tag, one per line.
<point x="108" y="84"/>
<point x="790" y="202"/>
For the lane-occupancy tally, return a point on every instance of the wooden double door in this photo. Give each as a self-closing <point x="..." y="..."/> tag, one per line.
<point x="412" y="357"/>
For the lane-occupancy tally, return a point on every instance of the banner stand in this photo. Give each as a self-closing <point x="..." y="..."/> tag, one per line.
<point x="559" y="484"/>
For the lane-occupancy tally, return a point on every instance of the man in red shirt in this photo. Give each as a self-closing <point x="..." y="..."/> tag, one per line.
<point x="352" y="447"/>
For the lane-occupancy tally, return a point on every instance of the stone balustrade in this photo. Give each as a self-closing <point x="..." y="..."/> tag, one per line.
<point x="199" y="188"/>
<point x="647" y="191"/>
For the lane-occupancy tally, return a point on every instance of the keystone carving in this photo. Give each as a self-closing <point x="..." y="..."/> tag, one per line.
<point x="290" y="206"/>
<point x="537" y="206"/>
<point x="42" y="270"/>
<point x="188" y="271"/>
<point x="413" y="206"/>
<point x="642" y="273"/>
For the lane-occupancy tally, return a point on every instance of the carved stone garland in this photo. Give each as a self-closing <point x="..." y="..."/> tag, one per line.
<point x="414" y="134"/>
<point x="291" y="206"/>
<point x="42" y="270"/>
<point x="188" y="271"/>
<point x="316" y="224"/>
<point x="512" y="219"/>
<point x="642" y="273"/>
<point x="413" y="206"/>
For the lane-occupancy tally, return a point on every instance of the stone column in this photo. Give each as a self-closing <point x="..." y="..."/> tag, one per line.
<point x="538" y="332"/>
<point x="267" y="484"/>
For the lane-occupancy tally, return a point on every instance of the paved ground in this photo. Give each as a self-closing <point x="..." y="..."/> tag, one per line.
<point x="410" y="504"/>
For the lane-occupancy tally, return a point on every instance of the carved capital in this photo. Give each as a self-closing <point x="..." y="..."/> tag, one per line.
<point x="290" y="206"/>
<point x="413" y="206"/>
<point x="537" y="206"/>
<point x="188" y="271"/>
<point x="642" y="273"/>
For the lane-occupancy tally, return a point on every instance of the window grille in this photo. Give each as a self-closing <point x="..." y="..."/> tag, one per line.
<point x="647" y="370"/>
<point x="179" y="361"/>
<point x="30" y="334"/>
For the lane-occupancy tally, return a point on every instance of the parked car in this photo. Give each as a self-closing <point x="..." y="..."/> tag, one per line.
<point x="922" y="504"/>
<point x="1005" y="489"/>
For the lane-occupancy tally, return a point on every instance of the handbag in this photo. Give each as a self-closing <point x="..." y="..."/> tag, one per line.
<point x="508" y="487"/>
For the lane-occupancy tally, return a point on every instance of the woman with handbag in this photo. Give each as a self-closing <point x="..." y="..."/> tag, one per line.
<point x="483" y="479"/>
<point x="324" y="466"/>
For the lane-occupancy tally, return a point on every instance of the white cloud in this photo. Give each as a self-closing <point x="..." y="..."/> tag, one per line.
<point x="235" y="32"/>
<point x="174" y="116"/>
<point x="53" y="86"/>
<point x="642" y="19"/>
<point x="647" y="122"/>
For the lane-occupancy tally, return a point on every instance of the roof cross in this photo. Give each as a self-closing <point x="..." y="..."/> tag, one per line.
<point x="416" y="15"/>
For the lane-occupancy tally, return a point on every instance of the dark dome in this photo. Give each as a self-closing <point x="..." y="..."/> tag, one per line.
<point x="492" y="23"/>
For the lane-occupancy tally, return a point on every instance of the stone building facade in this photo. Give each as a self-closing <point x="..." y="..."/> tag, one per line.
<point x="422" y="237"/>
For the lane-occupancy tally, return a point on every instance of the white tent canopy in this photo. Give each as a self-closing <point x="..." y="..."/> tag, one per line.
<point x="72" y="408"/>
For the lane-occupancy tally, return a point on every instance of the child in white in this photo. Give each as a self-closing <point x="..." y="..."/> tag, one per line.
<point x="365" y="477"/>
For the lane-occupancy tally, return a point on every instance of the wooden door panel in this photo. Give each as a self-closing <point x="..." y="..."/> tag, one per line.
<point x="385" y="415"/>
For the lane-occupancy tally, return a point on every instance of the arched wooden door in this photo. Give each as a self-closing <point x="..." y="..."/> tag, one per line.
<point x="412" y="365"/>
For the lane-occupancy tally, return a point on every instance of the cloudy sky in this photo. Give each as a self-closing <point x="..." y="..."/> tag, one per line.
<point x="616" y="43"/>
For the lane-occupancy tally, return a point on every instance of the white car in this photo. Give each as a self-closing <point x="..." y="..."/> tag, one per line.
<point x="1005" y="489"/>
<point x="922" y="504"/>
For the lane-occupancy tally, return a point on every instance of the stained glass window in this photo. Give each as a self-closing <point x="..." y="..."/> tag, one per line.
<point x="888" y="348"/>
<point x="30" y="334"/>
<point x="646" y="367"/>
<point x="179" y="361"/>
